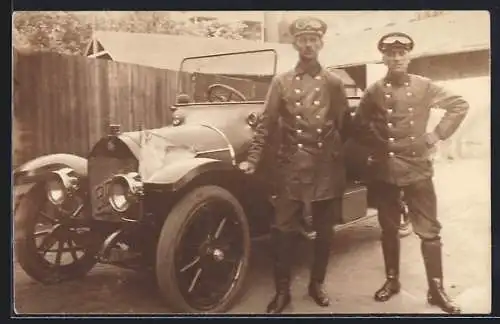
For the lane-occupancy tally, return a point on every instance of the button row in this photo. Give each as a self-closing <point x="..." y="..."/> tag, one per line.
<point x="300" y="90"/>
<point x="389" y="85"/>
<point x="299" y="117"/>
<point x="315" y="102"/>
<point x="318" y="130"/>
<point x="390" y="125"/>
<point x="392" y="154"/>
<point x="300" y="145"/>
<point x="318" y="77"/>
<point x="390" y="110"/>
<point x="388" y="95"/>
<point x="392" y="139"/>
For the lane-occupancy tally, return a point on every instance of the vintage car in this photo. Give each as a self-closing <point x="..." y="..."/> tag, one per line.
<point x="171" y="200"/>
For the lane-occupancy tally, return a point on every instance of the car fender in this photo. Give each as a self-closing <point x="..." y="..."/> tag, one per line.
<point x="28" y="174"/>
<point x="176" y="175"/>
<point x="32" y="171"/>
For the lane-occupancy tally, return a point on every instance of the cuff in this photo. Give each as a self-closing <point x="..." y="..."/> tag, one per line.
<point x="252" y="159"/>
<point x="432" y="138"/>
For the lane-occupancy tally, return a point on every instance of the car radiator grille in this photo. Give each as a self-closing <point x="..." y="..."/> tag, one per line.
<point x="100" y="171"/>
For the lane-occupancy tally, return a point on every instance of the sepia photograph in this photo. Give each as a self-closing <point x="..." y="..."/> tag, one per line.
<point x="251" y="162"/>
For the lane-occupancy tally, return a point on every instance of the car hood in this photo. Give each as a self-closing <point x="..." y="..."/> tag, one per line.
<point x="156" y="148"/>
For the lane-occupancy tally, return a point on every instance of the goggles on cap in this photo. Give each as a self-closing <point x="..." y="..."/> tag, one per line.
<point x="308" y="24"/>
<point x="393" y="40"/>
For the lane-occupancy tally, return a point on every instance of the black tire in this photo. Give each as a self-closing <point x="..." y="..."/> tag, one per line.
<point x="179" y="225"/>
<point x="29" y="213"/>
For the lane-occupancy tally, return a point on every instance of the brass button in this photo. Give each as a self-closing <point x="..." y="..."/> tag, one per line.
<point x="387" y="95"/>
<point x="391" y="139"/>
<point x="318" y="77"/>
<point x="353" y="113"/>
<point x="411" y="122"/>
<point x="320" y="144"/>
<point x="297" y="90"/>
<point x="299" y="131"/>
<point x="389" y="125"/>
<point x="297" y="77"/>
<point x="413" y="153"/>
<point x="388" y="85"/>
<point x="318" y="116"/>
<point x="300" y="145"/>
<point x="297" y="103"/>
<point x="316" y="102"/>
<point x="389" y="111"/>
<point x="410" y="109"/>
<point x="406" y="84"/>
<point x="319" y="130"/>
<point x="298" y="117"/>
<point x="412" y="138"/>
<point x="408" y="94"/>
<point x="317" y="89"/>
<point x="391" y="154"/>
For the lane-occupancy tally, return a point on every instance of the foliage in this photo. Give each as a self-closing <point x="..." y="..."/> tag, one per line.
<point x="70" y="32"/>
<point x="53" y="31"/>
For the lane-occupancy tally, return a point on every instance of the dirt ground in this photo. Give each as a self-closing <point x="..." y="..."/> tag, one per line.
<point x="355" y="272"/>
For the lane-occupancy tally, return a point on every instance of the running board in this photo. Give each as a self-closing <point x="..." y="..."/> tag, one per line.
<point x="369" y="214"/>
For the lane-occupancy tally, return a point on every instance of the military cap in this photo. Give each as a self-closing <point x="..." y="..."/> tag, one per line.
<point x="395" y="40"/>
<point x="308" y="25"/>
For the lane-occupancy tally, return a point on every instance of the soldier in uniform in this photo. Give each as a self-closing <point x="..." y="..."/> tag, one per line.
<point x="306" y="105"/>
<point x="391" y="123"/>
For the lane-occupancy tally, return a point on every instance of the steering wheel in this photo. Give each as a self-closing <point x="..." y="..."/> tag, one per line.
<point x="229" y="92"/>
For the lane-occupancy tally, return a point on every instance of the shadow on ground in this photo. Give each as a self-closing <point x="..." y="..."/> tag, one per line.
<point x="112" y="290"/>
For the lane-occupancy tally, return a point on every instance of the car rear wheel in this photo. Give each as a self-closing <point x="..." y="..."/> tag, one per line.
<point x="203" y="252"/>
<point x="52" y="244"/>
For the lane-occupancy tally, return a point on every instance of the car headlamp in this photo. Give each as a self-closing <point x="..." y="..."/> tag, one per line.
<point x="124" y="190"/>
<point x="60" y="185"/>
<point x="177" y="119"/>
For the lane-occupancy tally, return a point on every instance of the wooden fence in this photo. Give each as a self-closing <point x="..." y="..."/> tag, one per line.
<point x="64" y="103"/>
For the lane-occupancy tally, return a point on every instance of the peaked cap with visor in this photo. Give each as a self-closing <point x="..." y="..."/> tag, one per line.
<point x="308" y="25"/>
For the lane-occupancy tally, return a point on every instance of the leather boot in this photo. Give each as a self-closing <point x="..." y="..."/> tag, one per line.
<point x="392" y="286"/>
<point x="432" y="254"/>
<point x="282" y="272"/>
<point x="316" y="289"/>
<point x="318" y="294"/>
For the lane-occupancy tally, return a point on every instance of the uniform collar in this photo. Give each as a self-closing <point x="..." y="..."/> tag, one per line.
<point x="397" y="79"/>
<point x="312" y="68"/>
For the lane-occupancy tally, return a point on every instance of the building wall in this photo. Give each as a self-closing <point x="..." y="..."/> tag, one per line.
<point x="466" y="74"/>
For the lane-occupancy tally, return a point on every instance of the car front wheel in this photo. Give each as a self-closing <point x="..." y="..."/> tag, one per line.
<point x="203" y="252"/>
<point x="52" y="244"/>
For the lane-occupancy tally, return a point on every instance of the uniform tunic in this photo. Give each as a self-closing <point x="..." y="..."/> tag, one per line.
<point x="391" y="122"/>
<point x="307" y="104"/>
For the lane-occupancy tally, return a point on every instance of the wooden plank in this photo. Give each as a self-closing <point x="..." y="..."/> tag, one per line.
<point x="84" y="94"/>
<point x="113" y="93"/>
<point x="94" y="109"/>
<point x="72" y="114"/>
<point x="134" y="94"/>
<point x="43" y="105"/>
<point x="61" y="135"/>
<point x="153" y="118"/>
<point x="104" y="100"/>
<point x="142" y="114"/>
<point x="129" y="95"/>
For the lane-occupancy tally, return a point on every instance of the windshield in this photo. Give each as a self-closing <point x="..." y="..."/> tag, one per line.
<point x="231" y="77"/>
